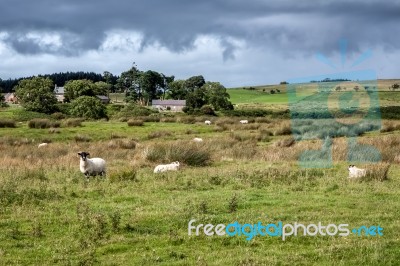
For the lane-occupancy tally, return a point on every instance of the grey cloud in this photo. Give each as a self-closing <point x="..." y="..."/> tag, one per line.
<point x="308" y="26"/>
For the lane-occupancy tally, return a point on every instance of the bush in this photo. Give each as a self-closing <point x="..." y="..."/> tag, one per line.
<point x="7" y="123"/>
<point x="43" y="123"/>
<point x="187" y="153"/>
<point x="128" y="144"/>
<point x="88" y="107"/>
<point x="133" y="110"/>
<point x="82" y="138"/>
<point x="159" y="134"/>
<point x="207" y="110"/>
<point x="58" y="116"/>
<point x="73" y="122"/>
<point x="135" y="123"/>
<point x="168" y="120"/>
<point x="187" y="120"/>
<point x="377" y="172"/>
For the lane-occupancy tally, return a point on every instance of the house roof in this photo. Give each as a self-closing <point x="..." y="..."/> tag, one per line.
<point x="102" y="97"/>
<point x="169" y="102"/>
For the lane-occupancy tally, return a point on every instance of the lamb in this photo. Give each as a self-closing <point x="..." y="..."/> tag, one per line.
<point x="166" y="167"/>
<point x="244" y="121"/>
<point x="207" y="122"/>
<point x="93" y="166"/>
<point x="355" y="172"/>
<point x="198" y="140"/>
<point x="41" y="145"/>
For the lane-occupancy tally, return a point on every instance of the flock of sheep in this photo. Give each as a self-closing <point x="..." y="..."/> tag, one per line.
<point x="97" y="166"/>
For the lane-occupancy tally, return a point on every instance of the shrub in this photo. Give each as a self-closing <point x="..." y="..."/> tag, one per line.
<point x="378" y="172"/>
<point x="53" y="130"/>
<point x="135" y="123"/>
<point x="159" y="134"/>
<point x="73" y="122"/>
<point x="287" y="142"/>
<point x="207" y="110"/>
<point x="58" y="116"/>
<point x="82" y="138"/>
<point x="43" y="123"/>
<point x="123" y="144"/>
<point x="88" y="107"/>
<point x="188" y="153"/>
<point x="134" y="110"/>
<point x="168" y="120"/>
<point x="7" y="123"/>
<point x="389" y="127"/>
<point x="188" y="120"/>
<point x="283" y="130"/>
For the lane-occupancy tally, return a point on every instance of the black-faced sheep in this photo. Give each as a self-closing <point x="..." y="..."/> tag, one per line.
<point x="93" y="166"/>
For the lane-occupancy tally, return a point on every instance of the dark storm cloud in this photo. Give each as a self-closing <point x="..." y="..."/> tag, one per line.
<point x="283" y="26"/>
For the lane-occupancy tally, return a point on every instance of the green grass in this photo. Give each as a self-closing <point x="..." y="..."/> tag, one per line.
<point x="50" y="215"/>
<point x="65" y="220"/>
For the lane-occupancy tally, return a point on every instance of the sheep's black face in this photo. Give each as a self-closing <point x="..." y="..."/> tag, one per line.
<point x="83" y="155"/>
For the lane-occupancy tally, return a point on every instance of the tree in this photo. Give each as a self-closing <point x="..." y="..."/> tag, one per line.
<point x="395" y="86"/>
<point x="36" y="94"/>
<point x="81" y="87"/>
<point x="177" y="90"/>
<point x="152" y="84"/>
<point x="217" y="96"/>
<point x="194" y="83"/>
<point x="109" y="79"/>
<point x="102" y="88"/>
<point x="88" y="107"/>
<point x="196" y="99"/>
<point x="129" y="82"/>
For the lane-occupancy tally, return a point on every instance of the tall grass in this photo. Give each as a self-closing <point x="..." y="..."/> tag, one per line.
<point x="43" y="123"/>
<point x="185" y="152"/>
<point x="7" y="123"/>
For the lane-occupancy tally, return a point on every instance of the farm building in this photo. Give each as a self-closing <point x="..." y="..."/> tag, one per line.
<point x="104" y="99"/>
<point x="170" y="105"/>
<point x="59" y="92"/>
<point x="10" y="98"/>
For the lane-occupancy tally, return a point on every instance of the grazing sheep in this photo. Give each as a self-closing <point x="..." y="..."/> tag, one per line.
<point x="93" y="166"/>
<point x="355" y="172"/>
<point x="244" y="121"/>
<point x="166" y="167"/>
<point x="41" y="145"/>
<point x="198" y="140"/>
<point x="207" y="122"/>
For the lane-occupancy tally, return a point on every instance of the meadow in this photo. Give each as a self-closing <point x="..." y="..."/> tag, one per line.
<point x="51" y="215"/>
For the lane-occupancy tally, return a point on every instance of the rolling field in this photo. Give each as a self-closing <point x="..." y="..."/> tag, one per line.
<point x="51" y="215"/>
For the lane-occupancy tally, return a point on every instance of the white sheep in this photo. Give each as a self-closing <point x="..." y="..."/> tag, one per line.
<point x="166" y="167"/>
<point x="207" y="122"/>
<point x="41" y="145"/>
<point x="198" y="140"/>
<point x="93" y="166"/>
<point x="355" y="172"/>
<point x="244" y="121"/>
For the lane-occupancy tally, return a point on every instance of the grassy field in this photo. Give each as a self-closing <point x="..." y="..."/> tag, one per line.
<point x="261" y="96"/>
<point x="51" y="215"/>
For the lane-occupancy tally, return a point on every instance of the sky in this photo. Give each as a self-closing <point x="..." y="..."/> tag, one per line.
<point x="237" y="43"/>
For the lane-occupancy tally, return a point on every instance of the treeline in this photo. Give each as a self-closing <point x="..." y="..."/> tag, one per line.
<point x="61" y="78"/>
